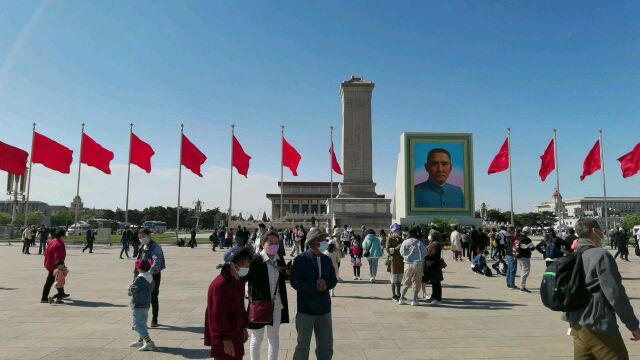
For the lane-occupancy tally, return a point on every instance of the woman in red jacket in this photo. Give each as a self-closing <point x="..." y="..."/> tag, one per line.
<point x="225" y="320"/>
<point x="55" y="252"/>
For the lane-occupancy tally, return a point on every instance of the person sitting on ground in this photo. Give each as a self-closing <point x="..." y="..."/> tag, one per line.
<point x="140" y="292"/>
<point x="480" y="264"/>
<point x="500" y="266"/>
<point x="60" y="274"/>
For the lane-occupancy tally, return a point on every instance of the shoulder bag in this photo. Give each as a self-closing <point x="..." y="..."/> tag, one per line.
<point x="261" y="311"/>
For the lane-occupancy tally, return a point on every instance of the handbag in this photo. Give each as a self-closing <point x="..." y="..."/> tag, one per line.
<point x="443" y="264"/>
<point x="261" y="311"/>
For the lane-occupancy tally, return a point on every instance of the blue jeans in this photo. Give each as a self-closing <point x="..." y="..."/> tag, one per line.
<point x="140" y="318"/>
<point x="512" y="268"/>
<point x="373" y="266"/>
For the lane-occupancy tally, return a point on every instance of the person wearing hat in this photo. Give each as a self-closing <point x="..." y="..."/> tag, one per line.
<point x="550" y="247"/>
<point x="225" y="319"/>
<point x="524" y="246"/>
<point x="312" y="277"/>
<point x="395" y="261"/>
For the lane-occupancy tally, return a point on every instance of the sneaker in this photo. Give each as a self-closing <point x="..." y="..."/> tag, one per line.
<point x="148" y="346"/>
<point x="50" y="301"/>
<point x="401" y="302"/>
<point x="154" y="323"/>
<point x="372" y="280"/>
<point x="436" y="302"/>
<point x="395" y="298"/>
<point x="59" y="301"/>
<point x="64" y="296"/>
<point x="414" y="303"/>
<point x="355" y="278"/>
<point x="44" y="301"/>
<point x="525" y="290"/>
<point x="137" y="343"/>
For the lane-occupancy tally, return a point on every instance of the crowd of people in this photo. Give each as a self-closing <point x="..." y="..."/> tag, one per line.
<point x="255" y="268"/>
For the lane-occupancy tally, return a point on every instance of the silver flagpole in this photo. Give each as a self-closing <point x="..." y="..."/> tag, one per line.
<point x="79" y="169"/>
<point x="282" y="172"/>
<point x="604" y="187"/>
<point x="126" y="205"/>
<point x="231" y="178"/>
<point x="513" y="221"/>
<point x="555" y="155"/>
<point x="331" y="172"/>
<point x="26" y="203"/>
<point x="179" y="182"/>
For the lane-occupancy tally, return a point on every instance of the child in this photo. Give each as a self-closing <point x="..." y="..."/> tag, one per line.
<point x="500" y="267"/>
<point x="140" y="292"/>
<point x="356" y="257"/>
<point x="333" y="254"/>
<point x="60" y="274"/>
<point x="480" y="264"/>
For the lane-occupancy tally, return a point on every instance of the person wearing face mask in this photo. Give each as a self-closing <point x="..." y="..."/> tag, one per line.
<point x="313" y="277"/>
<point x="55" y="253"/>
<point x="225" y="319"/>
<point x="151" y="250"/>
<point x="594" y="328"/>
<point x="267" y="275"/>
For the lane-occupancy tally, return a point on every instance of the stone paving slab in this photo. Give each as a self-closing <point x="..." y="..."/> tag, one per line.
<point x="479" y="319"/>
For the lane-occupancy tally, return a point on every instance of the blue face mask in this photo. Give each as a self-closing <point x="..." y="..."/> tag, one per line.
<point x="323" y="246"/>
<point x="243" y="271"/>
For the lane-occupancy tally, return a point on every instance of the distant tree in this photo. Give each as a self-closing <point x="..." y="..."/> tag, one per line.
<point x="5" y="218"/>
<point x="264" y="217"/>
<point x="109" y="214"/>
<point x="35" y="218"/>
<point x="251" y="218"/>
<point x="63" y="218"/>
<point x="630" y="221"/>
<point x="119" y="214"/>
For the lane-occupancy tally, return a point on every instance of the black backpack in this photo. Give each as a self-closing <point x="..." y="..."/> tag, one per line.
<point x="563" y="285"/>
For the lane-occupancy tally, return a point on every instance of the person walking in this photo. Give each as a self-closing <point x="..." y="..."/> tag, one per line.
<point x="346" y="239"/>
<point x="55" y="253"/>
<point x="140" y="292"/>
<point x="372" y="247"/>
<point x="26" y="240"/>
<point x="456" y="244"/>
<point x="297" y="241"/>
<point x="524" y="246"/>
<point x="126" y="236"/>
<point x="433" y="269"/>
<point x="312" y="277"/>
<point x="262" y="230"/>
<point x="356" y="257"/>
<point x="594" y="328"/>
<point x="90" y="237"/>
<point x="413" y="252"/>
<point x="395" y="261"/>
<point x="622" y="243"/>
<point x="225" y="319"/>
<point x="466" y="245"/>
<point x="474" y="243"/>
<point x="135" y="241"/>
<point x="43" y="235"/>
<point x="151" y="250"/>
<point x="267" y="284"/>
<point x="507" y="236"/>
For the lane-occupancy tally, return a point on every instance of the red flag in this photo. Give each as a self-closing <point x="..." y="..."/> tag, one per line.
<point x="93" y="154"/>
<point x="500" y="162"/>
<point x="630" y="163"/>
<point x="290" y="157"/>
<point x="192" y="157"/>
<point x="51" y="154"/>
<point x="240" y="159"/>
<point x="593" y="161"/>
<point x="335" y="165"/>
<point x="141" y="153"/>
<point x="548" y="161"/>
<point x="12" y="159"/>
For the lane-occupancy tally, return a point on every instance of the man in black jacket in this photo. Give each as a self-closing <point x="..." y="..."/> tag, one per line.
<point x="312" y="277"/>
<point x="474" y="243"/>
<point x="90" y="239"/>
<point x="524" y="246"/>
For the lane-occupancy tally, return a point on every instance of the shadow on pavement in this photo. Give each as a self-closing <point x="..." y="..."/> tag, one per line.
<point x="458" y="286"/>
<point x="192" y="329"/>
<point x="185" y="353"/>
<point x="363" y="297"/>
<point x="476" y="304"/>
<point x="6" y="288"/>
<point x="83" y="303"/>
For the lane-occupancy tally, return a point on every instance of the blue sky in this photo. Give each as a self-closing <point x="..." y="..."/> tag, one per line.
<point x="450" y="66"/>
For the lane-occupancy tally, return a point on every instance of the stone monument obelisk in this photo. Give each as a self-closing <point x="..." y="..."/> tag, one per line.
<point x="357" y="203"/>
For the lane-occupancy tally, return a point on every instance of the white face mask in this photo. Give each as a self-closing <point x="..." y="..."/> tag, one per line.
<point x="145" y="240"/>
<point x="242" y="272"/>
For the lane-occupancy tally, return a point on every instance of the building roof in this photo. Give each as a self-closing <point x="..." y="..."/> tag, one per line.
<point x="308" y="183"/>
<point x="297" y="196"/>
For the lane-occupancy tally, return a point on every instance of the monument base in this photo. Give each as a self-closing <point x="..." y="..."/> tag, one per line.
<point x="373" y="213"/>
<point x="449" y="219"/>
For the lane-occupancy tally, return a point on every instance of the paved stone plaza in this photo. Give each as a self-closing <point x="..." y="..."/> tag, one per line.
<point x="479" y="319"/>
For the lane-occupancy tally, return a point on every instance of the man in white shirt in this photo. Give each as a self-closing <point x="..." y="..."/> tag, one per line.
<point x="456" y="244"/>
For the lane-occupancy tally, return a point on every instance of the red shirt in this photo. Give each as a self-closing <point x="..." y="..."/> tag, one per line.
<point x="55" y="251"/>
<point x="225" y="317"/>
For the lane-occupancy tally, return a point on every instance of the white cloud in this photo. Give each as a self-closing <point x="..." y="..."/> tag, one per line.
<point x="99" y="190"/>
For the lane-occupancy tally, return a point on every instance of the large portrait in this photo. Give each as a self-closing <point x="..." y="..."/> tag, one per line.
<point x="439" y="173"/>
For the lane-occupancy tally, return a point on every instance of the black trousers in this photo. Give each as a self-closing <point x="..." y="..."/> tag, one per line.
<point x="356" y="271"/>
<point x="465" y="250"/>
<point x="155" y="307"/>
<point x="25" y="246"/>
<point x="136" y="250"/>
<point x="436" y="293"/>
<point x="623" y="252"/>
<point x="47" y="286"/>
<point x="43" y="246"/>
<point x="88" y="246"/>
